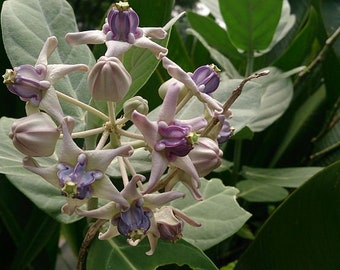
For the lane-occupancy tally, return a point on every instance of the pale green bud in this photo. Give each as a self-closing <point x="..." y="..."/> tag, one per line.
<point x="135" y="103"/>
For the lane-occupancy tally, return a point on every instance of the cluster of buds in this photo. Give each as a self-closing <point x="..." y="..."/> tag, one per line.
<point x="181" y="150"/>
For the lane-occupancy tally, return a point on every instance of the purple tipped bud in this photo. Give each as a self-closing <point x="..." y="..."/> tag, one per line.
<point x="109" y="80"/>
<point x="208" y="77"/>
<point x="226" y="130"/>
<point x="35" y="135"/>
<point x="206" y="156"/>
<point x="122" y="24"/>
<point x="27" y="82"/>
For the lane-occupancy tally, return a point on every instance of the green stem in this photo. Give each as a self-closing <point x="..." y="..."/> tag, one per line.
<point x="82" y="105"/>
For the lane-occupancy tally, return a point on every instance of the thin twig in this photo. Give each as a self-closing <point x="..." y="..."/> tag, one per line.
<point x="91" y="233"/>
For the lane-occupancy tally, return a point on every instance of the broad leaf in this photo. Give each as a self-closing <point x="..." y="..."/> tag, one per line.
<point x="219" y="213"/>
<point x="254" y="191"/>
<point x="303" y="233"/>
<point x="249" y="26"/>
<point x="275" y="100"/>
<point x="32" y="22"/>
<point x="117" y="254"/>
<point x="282" y="177"/>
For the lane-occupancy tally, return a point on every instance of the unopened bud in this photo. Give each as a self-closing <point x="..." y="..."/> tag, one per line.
<point x="109" y="80"/>
<point x="35" y="135"/>
<point x="207" y="76"/>
<point x="135" y="103"/>
<point x="163" y="89"/>
<point x="206" y="156"/>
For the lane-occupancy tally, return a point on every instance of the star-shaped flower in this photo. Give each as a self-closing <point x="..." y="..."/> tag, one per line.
<point x="80" y="174"/>
<point x="34" y="84"/>
<point x="121" y="31"/>
<point x="136" y="221"/>
<point x="170" y="139"/>
<point x="199" y="86"/>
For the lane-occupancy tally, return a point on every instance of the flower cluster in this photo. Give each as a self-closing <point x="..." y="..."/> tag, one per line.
<point x="181" y="150"/>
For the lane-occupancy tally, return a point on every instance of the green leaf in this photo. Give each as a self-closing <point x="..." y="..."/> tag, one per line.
<point x="300" y="47"/>
<point x="40" y="192"/>
<point x="25" y="27"/>
<point x="297" y="121"/>
<point x="214" y="35"/>
<point x="117" y="254"/>
<point x="39" y="231"/>
<point x="303" y="233"/>
<point x="254" y="191"/>
<point x="283" y="177"/>
<point x="275" y="100"/>
<point x="249" y="26"/>
<point x="219" y="213"/>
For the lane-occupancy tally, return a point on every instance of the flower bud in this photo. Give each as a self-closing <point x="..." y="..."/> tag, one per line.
<point x="163" y="89"/>
<point x="27" y="82"/>
<point x="35" y="135"/>
<point x="109" y="80"/>
<point x="208" y="77"/>
<point x="135" y="103"/>
<point x="206" y="156"/>
<point x="122" y="24"/>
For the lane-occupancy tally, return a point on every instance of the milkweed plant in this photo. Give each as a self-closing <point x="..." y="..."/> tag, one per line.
<point x="140" y="175"/>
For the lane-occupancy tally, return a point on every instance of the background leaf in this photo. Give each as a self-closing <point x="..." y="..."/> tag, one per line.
<point x="303" y="233"/>
<point x="219" y="213"/>
<point x="117" y="254"/>
<point x="249" y="26"/>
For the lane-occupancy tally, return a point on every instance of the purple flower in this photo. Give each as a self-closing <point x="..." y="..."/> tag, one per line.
<point x="170" y="139"/>
<point x="31" y="83"/>
<point x="136" y="221"/>
<point x="80" y="174"/>
<point x="201" y="83"/>
<point x="121" y="31"/>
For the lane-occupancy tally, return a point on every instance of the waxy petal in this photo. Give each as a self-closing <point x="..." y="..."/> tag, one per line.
<point x="103" y="188"/>
<point x="106" y="211"/>
<point x="48" y="173"/>
<point x="48" y="48"/>
<point x="86" y="37"/>
<point x="158" y="50"/>
<point x="130" y="191"/>
<point x="157" y="200"/>
<point x="168" y="109"/>
<point x="159" y="165"/>
<point x="148" y="128"/>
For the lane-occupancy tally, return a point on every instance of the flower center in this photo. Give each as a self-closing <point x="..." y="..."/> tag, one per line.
<point x="9" y="76"/>
<point x="135" y="222"/>
<point x="122" y="24"/>
<point x="75" y="182"/>
<point x="177" y="140"/>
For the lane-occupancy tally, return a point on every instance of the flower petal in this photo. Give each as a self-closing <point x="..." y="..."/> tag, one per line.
<point x="48" y="173"/>
<point x="116" y="48"/>
<point x="86" y="37"/>
<point x="57" y="71"/>
<point x="157" y="200"/>
<point x="168" y="109"/>
<point x="106" y="211"/>
<point x="148" y="128"/>
<point x="49" y="46"/>
<point x="159" y="165"/>
<point x="103" y="188"/>
<point x="158" y="50"/>
<point x="112" y="231"/>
